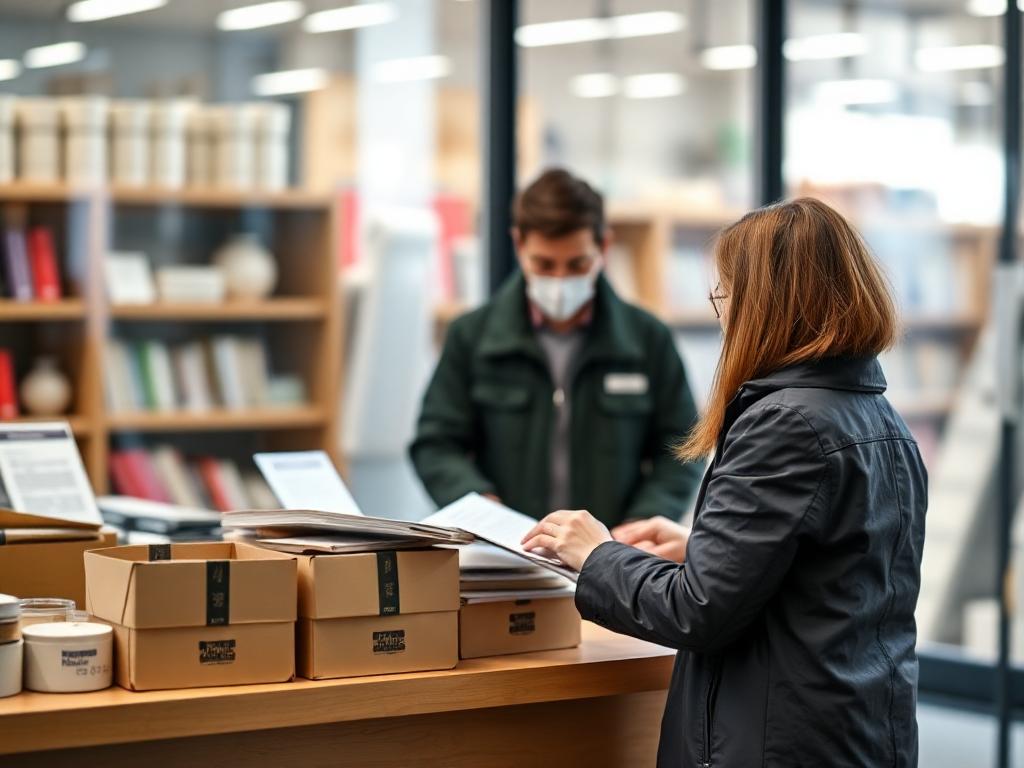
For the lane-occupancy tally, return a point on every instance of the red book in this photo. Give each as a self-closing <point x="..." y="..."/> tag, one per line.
<point x="209" y="470"/>
<point x="121" y="473"/>
<point x="43" y="258"/>
<point x="8" y="390"/>
<point x="141" y="467"/>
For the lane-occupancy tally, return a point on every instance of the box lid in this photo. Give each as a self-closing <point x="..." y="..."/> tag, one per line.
<point x="378" y="583"/>
<point x="188" y="585"/>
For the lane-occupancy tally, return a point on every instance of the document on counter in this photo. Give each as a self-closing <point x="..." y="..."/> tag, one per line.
<point x="495" y="524"/>
<point x="306" y="480"/>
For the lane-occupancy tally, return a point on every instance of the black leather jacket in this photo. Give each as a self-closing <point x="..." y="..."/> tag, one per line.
<point x="794" y="610"/>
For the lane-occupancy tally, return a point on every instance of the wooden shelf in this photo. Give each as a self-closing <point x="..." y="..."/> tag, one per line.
<point x="23" y="192"/>
<point x="291" y="199"/>
<point x="65" y="309"/>
<point x="80" y="425"/>
<point x="271" y="309"/>
<point x="220" y="419"/>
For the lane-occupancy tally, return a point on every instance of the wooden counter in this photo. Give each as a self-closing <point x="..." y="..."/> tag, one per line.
<point x="599" y="704"/>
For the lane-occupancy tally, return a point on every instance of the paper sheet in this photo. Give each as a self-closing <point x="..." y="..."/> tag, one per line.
<point x="306" y="480"/>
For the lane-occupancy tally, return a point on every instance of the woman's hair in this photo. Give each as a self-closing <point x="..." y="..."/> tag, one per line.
<point x="801" y="285"/>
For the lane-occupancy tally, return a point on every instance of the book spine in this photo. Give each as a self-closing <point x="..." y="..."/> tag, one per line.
<point x="122" y="476"/>
<point x="146" y="478"/>
<point x="209" y="469"/>
<point x="8" y="390"/>
<point x="144" y="355"/>
<point x="43" y="258"/>
<point x="19" y="276"/>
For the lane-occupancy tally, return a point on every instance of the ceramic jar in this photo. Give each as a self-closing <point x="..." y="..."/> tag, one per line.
<point x="250" y="271"/>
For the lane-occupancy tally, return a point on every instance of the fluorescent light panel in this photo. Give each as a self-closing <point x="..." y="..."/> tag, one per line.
<point x="414" y="68"/>
<point x="656" y="85"/>
<point x="97" y="10"/>
<point x="594" y="85"/>
<point x="729" y="57"/>
<point x="959" y="57"/>
<point x="9" y="69"/>
<point x="590" y="29"/>
<point x="260" y="15"/>
<point x="289" y="81"/>
<point x="350" y="17"/>
<point x="841" y="45"/>
<point x="853" y="92"/>
<point x="54" y="55"/>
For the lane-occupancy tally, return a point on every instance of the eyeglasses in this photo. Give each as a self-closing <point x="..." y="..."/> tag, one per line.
<point x="714" y="297"/>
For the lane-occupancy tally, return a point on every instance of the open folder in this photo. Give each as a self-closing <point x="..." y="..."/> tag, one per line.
<point x="472" y="518"/>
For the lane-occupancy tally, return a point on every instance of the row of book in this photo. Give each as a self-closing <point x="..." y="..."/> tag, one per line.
<point x="164" y="474"/>
<point x="222" y="371"/>
<point x="30" y="271"/>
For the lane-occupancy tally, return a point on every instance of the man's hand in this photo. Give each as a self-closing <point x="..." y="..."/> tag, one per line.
<point x="658" y="535"/>
<point x="568" y="535"/>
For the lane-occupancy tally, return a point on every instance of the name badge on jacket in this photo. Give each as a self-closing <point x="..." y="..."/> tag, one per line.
<point x="626" y="383"/>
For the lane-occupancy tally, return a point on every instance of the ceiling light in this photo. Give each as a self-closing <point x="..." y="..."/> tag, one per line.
<point x="853" y="92"/>
<point x="841" y="45"/>
<point x="728" y="57"/>
<point x="957" y="57"/>
<point x="414" y="68"/>
<point x="9" y="69"/>
<point x="656" y="85"/>
<point x="289" y="81"/>
<point x="96" y="10"/>
<point x="54" y="55"/>
<point x="596" y="85"/>
<point x="588" y="30"/>
<point x="351" y="17"/>
<point x="260" y="15"/>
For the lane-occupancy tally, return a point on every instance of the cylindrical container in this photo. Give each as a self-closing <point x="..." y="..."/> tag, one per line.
<point x="7" y="112"/>
<point x="130" y="137"/>
<point x="39" y="156"/>
<point x="10" y="646"/>
<point x="234" y="129"/>
<point x="200" y="148"/>
<point x="85" y="139"/>
<point x="273" y="124"/>
<point x="68" y="657"/>
<point x="168" y="151"/>
<point x="42" y="610"/>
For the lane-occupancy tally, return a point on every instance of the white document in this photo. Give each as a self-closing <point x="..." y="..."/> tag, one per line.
<point x="129" y="278"/>
<point x="336" y="544"/>
<point x="41" y="473"/>
<point x="495" y="524"/>
<point x="306" y="480"/>
<point x="503" y="595"/>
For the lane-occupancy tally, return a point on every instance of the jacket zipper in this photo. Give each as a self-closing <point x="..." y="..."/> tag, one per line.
<point x="709" y="711"/>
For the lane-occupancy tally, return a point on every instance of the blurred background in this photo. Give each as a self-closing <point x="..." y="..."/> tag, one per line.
<point x="341" y="161"/>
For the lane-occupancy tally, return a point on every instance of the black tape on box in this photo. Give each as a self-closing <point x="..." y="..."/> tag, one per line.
<point x="218" y="589"/>
<point x="387" y="583"/>
<point x="159" y="552"/>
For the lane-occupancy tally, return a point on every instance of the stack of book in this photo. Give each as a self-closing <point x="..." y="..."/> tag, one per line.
<point x="224" y="371"/>
<point x="30" y="271"/>
<point x="164" y="475"/>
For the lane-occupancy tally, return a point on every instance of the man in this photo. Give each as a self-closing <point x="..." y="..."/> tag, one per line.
<point x="556" y="394"/>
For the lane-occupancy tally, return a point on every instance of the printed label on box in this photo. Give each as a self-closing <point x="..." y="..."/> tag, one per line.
<point x="522" y="623"/>
<point x="216" y="651"/>
<point x="389" y="641"/>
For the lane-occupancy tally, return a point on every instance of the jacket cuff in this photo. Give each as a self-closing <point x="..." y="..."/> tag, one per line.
<point x="591" y="583"/>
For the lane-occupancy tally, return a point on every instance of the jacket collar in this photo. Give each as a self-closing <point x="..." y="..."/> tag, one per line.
<point x="508" y="330"/>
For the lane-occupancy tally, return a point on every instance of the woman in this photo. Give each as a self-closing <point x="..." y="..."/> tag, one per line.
<point x="793" y="604"/>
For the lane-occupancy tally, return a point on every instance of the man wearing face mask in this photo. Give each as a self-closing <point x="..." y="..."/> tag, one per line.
<point x="557" y="394"/>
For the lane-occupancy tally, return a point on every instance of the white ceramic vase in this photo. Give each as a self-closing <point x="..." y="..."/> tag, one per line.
<point x="250" y="271"/>
<point x="46" y="391"/>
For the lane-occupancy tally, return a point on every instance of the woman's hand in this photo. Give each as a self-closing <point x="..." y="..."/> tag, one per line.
<point x="568" y="535"/>
<point x="658" y="535"/>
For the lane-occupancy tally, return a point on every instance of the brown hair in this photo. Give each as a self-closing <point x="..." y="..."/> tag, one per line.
<point x="557" y="204"/>
<point x="801" y="285"/>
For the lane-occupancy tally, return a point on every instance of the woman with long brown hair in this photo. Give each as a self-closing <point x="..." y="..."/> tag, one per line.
<point x="792" y="599"/>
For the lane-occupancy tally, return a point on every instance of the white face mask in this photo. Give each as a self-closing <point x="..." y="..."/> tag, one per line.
<point x="559" y="298"/>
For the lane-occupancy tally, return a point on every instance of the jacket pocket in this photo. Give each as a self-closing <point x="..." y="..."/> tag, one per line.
<point x="501" y="396"/>
<point x="622" y="424"/>
<point x="625" y="405"/>
<point x="504" y="416"/>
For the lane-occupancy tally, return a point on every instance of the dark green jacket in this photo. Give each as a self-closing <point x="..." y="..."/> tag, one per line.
<point x="487" y="415"/>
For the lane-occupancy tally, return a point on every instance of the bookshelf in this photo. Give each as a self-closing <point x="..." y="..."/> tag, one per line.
<point x="300" y="324"/>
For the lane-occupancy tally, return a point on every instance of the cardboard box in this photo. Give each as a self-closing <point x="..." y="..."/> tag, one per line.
<point x="49" y="568"/>
<point x="190" y="615"/>
<point x="518" y="626"/>
<point x="378" y="612"/>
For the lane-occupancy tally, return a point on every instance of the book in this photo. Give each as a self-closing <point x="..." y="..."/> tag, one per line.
<point x="173" y="472"/>
<point x="145" y="476"/>
<point x="8" y="388"/>
<point x="192" y="376"/>
<point x="231" y="479"/>
<point x="157" y="367"/>
<point x="17" y="271"/>
<point x="129" y="278"/>
<point x="43" y="260"/>
<point x="210" y="471"/>
<point x="227" y="367"/>
<point x="117" y="378"/>
<point x="252" y="356"/>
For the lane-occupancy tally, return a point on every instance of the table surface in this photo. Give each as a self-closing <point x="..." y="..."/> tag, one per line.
<point x="605" y="664"/>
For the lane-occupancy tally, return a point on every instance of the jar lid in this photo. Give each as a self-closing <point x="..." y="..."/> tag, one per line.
<point x="10" y="608"/>
<point x="60" y="631"/>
